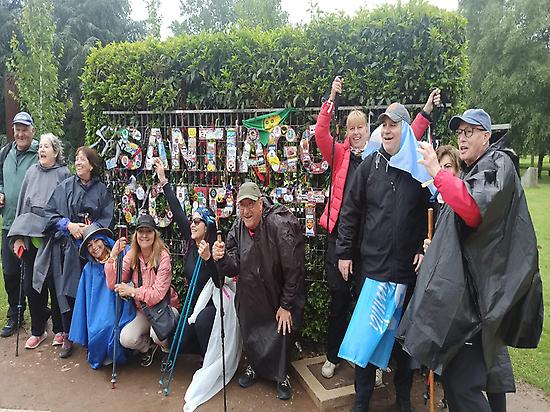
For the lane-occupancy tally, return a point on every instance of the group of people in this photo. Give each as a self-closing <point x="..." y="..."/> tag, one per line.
<point x="464" y="296"/>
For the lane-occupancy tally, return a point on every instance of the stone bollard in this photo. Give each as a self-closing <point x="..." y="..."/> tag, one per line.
<point x="529" y="178"/>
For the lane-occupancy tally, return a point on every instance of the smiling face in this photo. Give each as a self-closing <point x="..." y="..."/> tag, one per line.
<point x="473" y="146"/>
<point x="391" y="135"/>
<point x="83" y="166"/>
<point x="356" y="129"/>
<point x="198" y="228"/>
<point x="145" y="238"/>
<point x="23" y="135"/>
<point x="46" y="153"/>
<point x="251" y="212"/>
<point x="97" y="250"/>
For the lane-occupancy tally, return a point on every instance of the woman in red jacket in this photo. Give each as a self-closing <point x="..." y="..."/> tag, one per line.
<point x="344" y="161"/>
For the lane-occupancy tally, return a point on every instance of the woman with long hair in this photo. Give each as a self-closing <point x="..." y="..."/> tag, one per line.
<point x="149" y="255"/>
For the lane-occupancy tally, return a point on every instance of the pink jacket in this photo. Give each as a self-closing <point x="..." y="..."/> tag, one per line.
<point x="341" y="159"/>
<point x="154" y="286"/>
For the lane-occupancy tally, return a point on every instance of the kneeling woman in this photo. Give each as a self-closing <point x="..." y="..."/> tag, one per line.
<point x="150" y="255"/>
<point x="95" y="313"/>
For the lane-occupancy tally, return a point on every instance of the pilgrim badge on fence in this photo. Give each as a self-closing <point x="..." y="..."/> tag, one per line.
<point x="162" y="217"/>
<point x="211" y="156"/>
<point x="305" y="157"/>
<point x="310" y="219"/>
<point x="183" y="197"/>
<point x="178" y="148"/>
<point x="231" y="158"/>
<point x="191" y="158"/>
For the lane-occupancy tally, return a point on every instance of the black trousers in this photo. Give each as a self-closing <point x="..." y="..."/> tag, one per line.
<point x="38" y="302"/>
<point x="196" y="335"/>
<point x="67" y="317"/>
<point x="11" y="267"/>
<point x="365" y="379"/>
<point x="464" y="379"/>
<point x="340" y="303"/>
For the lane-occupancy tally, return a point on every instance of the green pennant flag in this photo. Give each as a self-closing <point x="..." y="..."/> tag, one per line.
<point x="265" y="123"/>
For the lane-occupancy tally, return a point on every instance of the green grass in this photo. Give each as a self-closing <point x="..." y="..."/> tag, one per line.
<point x="533" y="365"/>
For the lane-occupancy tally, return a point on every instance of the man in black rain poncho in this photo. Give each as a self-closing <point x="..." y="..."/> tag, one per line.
<point x="479" y="286"/>
<point x="265" y="248"/>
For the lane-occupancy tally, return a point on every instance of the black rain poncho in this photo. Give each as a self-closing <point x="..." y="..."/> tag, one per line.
<point x="271" y="269"/>
<point x="486" y="279"/>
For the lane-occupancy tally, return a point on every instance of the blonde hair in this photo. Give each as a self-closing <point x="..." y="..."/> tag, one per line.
<point x="154" y="258"/>
<point x="356" y="115"/>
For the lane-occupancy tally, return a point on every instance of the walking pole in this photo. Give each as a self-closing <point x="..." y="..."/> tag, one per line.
<point x="20" y="252"/>
<point x="222" y="281"/>
<point x="175" y="347"/>
<point x="117" y="304"/>
<point x="431" y="380"/>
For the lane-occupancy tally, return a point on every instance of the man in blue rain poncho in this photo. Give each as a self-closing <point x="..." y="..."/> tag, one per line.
<point x="384" y="216"/>
<point x="94" y="313"/>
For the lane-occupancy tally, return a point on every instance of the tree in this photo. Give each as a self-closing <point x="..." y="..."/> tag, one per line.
<point x="81" y="25"/>
<point x="222" y="15"/>
<point x="154" y="19"/>
<point x="36" y="67"/>
<point x="510" y="59"/>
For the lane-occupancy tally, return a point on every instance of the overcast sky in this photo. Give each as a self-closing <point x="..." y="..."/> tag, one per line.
<point x="297" y="9"/>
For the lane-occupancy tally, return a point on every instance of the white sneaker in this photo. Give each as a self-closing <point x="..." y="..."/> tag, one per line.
<point x="328" y="369"/>
<point x="378" y="382"/>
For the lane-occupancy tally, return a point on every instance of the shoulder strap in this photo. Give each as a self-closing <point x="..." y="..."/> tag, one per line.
<point x="140" y="277"/>
<point x="4" y="152"/>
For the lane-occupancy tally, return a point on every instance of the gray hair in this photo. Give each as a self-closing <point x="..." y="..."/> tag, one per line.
<point x="56" y="145"/>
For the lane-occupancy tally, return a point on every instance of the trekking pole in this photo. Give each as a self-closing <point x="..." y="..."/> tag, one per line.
<point x="222" y="281"/>
<point x="20" y="252"/>
<point x="120" y="257"/>
<point x="175" y="347"/>
<point x="431" y="378"/>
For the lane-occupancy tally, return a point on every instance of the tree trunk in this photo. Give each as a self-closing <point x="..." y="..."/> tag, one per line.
<point x="540" y="164"/>
<point x="532" y="160"/>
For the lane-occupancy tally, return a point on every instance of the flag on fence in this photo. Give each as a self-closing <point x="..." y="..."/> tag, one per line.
<point x="265" y="123"/>
<point x="371" y="331"/>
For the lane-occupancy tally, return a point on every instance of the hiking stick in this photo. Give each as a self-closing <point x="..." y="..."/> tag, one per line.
<point x="219" y="239"/>
<point x="431" y="380"/>
<point x="175" y="347"/>
<point x="20" y="252"/>
<point x="116" y="326"/>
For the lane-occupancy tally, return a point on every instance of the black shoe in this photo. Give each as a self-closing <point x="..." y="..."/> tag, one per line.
<point x="284" y="391"/>
<point x="248" y="377"/>
<point x="66" y="348"/>
<point x="10" y="328"/>
<point x="147" y="357"/>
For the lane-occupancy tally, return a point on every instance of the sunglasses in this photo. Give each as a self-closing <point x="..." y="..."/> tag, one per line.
<point x="196" y="221"/>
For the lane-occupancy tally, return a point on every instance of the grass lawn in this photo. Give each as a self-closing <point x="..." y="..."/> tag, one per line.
<point x="533" y="365"/>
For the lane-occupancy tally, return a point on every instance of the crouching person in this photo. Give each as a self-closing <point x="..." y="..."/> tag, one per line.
<point x="265" y="248"/>
<point x="146" y="277"/>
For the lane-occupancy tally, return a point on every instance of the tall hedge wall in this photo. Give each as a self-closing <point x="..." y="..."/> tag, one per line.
<point x="391" y="53"/>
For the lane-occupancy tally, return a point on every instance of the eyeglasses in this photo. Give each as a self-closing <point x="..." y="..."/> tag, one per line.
<point x="196" y="221"/>
<point x="249" y="206"/>
<point x="468" y="132"/>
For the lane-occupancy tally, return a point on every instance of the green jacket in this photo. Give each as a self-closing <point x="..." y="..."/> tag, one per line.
<point x="12" y="173"/>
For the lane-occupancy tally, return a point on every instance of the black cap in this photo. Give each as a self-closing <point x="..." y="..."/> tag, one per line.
<point x="146" y="221"/>
<point x="89" y="232"/>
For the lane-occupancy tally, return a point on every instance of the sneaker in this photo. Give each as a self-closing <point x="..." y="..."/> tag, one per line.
<point x="328" y="369"/>
<point x="378" y="382"/>
<point x="248" y="377"/>
<point x="58" y="339"/>
<point x="34" y="341"/>
<point x="66" y="348"/>
<point x="10" y="328"/>
<point x="147" y="357"/>
<point x="284" y="390"/>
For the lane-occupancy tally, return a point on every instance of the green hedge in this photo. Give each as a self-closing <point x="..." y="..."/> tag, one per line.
<point x="392" y="53"/>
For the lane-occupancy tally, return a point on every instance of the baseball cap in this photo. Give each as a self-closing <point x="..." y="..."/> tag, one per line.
<point x="23" y="118"/>
<point x="146" y="221"/>
<point x="472" y="116"/>
<point x="396" y="112"/>
<point x="249" y="190"/>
